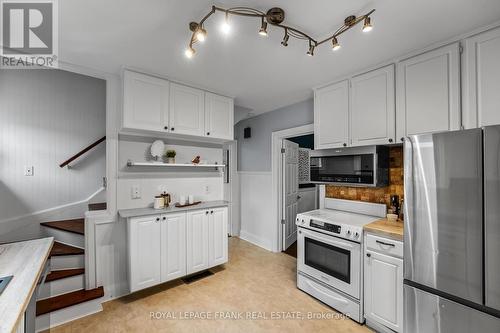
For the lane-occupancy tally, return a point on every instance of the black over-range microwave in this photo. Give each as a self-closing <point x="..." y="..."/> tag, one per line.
<point x="354" y="166"/>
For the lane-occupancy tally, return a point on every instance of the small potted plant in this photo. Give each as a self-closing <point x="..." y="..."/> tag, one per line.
<point x="170" y="156"/>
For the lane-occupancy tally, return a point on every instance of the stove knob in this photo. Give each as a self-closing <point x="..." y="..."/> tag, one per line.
<point x="348" y="232"/>
<point x="356" y="234"/>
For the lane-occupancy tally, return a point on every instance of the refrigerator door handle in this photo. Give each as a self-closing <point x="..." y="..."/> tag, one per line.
<point x="408" y="208"/>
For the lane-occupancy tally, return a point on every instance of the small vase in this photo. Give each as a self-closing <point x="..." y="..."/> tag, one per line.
<point x="171" y="160"/>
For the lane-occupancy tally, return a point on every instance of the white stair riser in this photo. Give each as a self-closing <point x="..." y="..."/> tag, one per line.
<point x="66" y="237"/>
<point x="61" y="286"/>
<point x="67" y="262"/>
<point x="65" y="315"/>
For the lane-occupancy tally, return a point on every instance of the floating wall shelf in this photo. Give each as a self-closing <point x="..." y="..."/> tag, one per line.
<point x="160" y="164"/>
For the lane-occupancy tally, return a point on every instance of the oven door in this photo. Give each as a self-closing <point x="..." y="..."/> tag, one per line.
<point x="329" y="259"/>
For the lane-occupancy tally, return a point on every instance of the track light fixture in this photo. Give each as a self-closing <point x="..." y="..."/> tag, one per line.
<point x="274" y="16"/>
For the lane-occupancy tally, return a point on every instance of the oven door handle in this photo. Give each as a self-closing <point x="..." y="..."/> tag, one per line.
<point x="330" y="241"/>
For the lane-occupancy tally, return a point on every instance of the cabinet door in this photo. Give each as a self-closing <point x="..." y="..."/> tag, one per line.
<point x="481" y="83"/>
<point x="145" y="104"/>
<point x="384" y="290"/>
<point x="197" y="241"/>
<point x="219" y="115"/>
<point x="217" y="244"/>
<point x="428" y="92"/>
<point x="173" y="246"/>
<point x="187" y="114"/>
<point x="373" y="108"/>
<point x="144" y="252"/>
<point x="331" y="116"/>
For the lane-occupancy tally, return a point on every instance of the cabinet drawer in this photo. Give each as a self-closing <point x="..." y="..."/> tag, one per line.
<point x="384" y="245"/>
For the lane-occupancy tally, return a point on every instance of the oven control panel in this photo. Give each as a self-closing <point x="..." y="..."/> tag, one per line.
<point x="350" y="232"/>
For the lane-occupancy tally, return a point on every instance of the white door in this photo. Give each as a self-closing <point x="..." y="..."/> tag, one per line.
<point x="197" y="241"/>
<point x="373" y="107"/>
<point x="481" y="80"/>
<point x="187" y="110"/>
<point x="219" y="115"/>
<point x="428" y="92"/>
<point x="218" y="236"/>
<point x="145" y="103"/>
<point x="331" y="116"/>
<point x="384" y="290"/>
<point x="290" y="196"/>
<point x="173" y="246"/>
<point x="145" y="252"/>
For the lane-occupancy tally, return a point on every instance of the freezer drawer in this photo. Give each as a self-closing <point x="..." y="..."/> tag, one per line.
<point x="443" y="239"/>
<point x="425" y="312"/>
<point x="492" y="215"/>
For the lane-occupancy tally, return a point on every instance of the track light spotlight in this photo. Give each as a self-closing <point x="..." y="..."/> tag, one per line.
<point x="225" y="27"/>
<point x="201" y="34"/>
<point x="263" y="28"/>
<point x="311" y="49"/>
<point x="190" y="52"/>
<point x="335" y="44"/>
<point x="284" y="42"/>
<point x="367" y="26"/>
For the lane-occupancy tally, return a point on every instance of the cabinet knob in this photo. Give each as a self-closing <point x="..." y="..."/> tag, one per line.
<point x="211" y="212"/>
<point x="157" y="219"/>
<point x="208" y="133"/>
<point x="345" y="144"/>
<point x="172" y="129"/>
<point x="402" y="139"/>
<point x="390" y="140"/>
<point x="164" y="218"/>
<point x="206" y="212"/>
<point x="368" y="255"/>
<point x="166" y="128"/>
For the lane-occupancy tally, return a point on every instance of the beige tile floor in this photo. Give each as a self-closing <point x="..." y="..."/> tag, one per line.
<point x="254" y="282"/>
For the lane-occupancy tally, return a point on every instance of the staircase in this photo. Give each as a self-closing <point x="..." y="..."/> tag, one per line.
<point x="63" y="296"/>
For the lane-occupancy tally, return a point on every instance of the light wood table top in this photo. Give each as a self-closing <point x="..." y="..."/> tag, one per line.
<point x="386" y="228"/>
<point x="25" y="261"/>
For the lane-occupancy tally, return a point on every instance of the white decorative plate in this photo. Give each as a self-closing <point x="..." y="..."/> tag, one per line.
<point x="157" y="149"/>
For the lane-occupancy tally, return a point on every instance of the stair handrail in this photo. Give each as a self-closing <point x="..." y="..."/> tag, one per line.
<point x="81" y="152"/>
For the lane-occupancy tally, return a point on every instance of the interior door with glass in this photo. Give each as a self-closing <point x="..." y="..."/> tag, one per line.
<point x="290" y="191"/>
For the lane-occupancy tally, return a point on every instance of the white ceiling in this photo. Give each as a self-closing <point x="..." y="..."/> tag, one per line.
<point x="261" y="74"/>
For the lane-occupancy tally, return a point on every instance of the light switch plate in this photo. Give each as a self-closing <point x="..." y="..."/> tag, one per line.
<point x="136" y="192"/>
<point x="28" y="170"/>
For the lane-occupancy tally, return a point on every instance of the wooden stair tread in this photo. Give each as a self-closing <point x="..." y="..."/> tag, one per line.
<point x="98" y="206"/>
<point x="65" y="300"/>
<point x="76" y="226"/>
<point x="60" y="249"/>
<point x="64" y="273"/>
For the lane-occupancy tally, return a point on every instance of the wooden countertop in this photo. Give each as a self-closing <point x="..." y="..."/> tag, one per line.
<point x="385" y="228"/>
<point x="25" y="261"/>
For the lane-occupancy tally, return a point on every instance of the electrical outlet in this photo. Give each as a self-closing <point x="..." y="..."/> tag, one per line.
<point x="28" y="170"/>
<point x="136" y="192"/>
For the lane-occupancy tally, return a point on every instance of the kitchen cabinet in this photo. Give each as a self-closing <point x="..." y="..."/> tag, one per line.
<point x="373" y="107"/>
<point x="219" y="115"/>
<point x="144" y="241"/>
<point x="187" y="110"/>
<point x="173" y="246"/>
<point x="481" y="83"/>
<point x="383" y="282"/>
<point x="217" y="242"/>
<point x="331" y="116"/>
<point x="145" y="104"/>
<point x="197" y="240"/>
<point x="428" y="92"/>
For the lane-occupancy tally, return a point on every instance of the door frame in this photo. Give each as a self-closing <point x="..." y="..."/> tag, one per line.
<point x="277" y="178"/>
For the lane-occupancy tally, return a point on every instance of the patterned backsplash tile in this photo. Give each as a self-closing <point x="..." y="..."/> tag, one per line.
<point x="376" y="195"/>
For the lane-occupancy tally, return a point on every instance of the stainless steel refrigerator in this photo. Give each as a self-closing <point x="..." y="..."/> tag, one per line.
<point x="452" y="232"/>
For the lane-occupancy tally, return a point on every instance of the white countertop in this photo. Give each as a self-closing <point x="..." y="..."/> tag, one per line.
<point x="134" y="212"/>
<point x="25" y="261"/>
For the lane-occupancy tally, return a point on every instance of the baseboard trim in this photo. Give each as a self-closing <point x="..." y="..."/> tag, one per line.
<point x="256" y="240"/>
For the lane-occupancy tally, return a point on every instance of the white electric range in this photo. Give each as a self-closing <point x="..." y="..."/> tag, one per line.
<point x="329" y="253"/>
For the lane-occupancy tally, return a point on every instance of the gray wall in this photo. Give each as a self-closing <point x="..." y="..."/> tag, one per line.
<point x="254" y="154"/>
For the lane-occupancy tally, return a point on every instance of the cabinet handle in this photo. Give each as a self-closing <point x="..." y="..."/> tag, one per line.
<point x="368" y="255"/>
<point x="211" y="212"/>
<point x="345" y="144"/>
<point x="390" y="140"/>
<point x="384" y="243"/>
<point x="402" y="139"/>
<point x="172" y="129"/>
<point x="208" y="133"/>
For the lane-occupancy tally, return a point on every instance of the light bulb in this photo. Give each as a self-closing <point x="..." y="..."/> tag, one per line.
<point x="335" y="44"/>
<point x="189" y="52"/>
<point x="201" y="34"/>
<point x="284" y="42"/>
<point x="263" y="28"/>
<point x="367" y="26"/>
<point x="225" y="27"/>
<point x="311" y="50"/>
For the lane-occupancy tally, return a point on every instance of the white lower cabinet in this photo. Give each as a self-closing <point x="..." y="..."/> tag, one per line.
<point x="383" y="283"/>
<point x="169" y="246"/>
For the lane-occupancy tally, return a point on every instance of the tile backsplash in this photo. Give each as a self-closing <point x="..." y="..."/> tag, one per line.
<point x="376" y="195"/>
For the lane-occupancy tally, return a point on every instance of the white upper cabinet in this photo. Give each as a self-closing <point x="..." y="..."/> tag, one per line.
<point x="145" y="103"/>
<point x="173" y="246"/>
<point x="219" y="115"/>
<point x="482" y="80"/>
<point x="187" y="110"/>
<point x="373" y="107"/>
<point x="428" y="92"/>
<point x="331" y="116"/>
